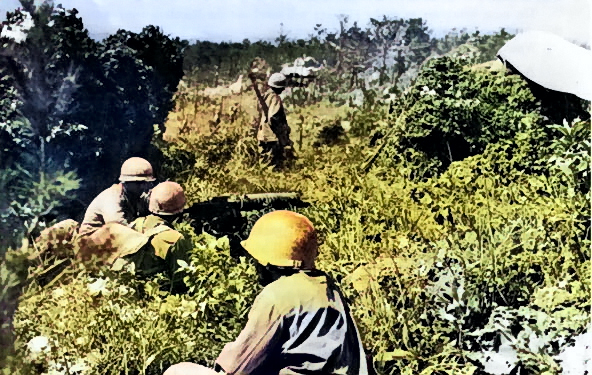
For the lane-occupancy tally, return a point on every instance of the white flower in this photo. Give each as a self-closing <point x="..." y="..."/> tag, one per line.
<point x="99" y="286"/>
<point x="58" y="293"/>
<point x="80" y="366"/>
<point x="426" y="91"/>
<point x="38" y="344"/>
<point x="123" y="290"/>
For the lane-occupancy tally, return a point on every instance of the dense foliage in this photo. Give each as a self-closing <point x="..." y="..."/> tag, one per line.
<point x="73" y="109"/>
<point x="452" y="112"/>
<point x="463" y="249"/>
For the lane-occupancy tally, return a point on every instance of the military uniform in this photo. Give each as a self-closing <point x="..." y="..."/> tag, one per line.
<point x="298" y="324"/>
<point x="274" y="133"/>
<point x="163" y="248"/>
<point x="112" y="205"/>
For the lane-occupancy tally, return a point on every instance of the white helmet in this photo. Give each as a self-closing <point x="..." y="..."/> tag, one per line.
<point x="277" y="80"/>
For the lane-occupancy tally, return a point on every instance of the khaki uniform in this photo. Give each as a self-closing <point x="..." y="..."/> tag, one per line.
<point x="277" y="129"/>
<point x="165" y="246"/>
<point x="274" y="135"/>
<point x="299" y="324"/>
<point x="111" y="206"/>
<point x="56" y="239"/>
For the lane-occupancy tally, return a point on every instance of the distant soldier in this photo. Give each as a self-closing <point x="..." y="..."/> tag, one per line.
<point x="124" y="202"/>
<point x="164" y="245"/>
<point x="274" y="133"/>
<point x="300" y="323"/>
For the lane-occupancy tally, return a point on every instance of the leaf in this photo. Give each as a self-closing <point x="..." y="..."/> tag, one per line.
<point x="471" y="237"/>
<point x="393" y="355"/>
<point x="149" y="360"/>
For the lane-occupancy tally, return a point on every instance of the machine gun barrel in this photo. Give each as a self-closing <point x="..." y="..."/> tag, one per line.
<point x="222" y="215"/>
<point x="245" y="202"/>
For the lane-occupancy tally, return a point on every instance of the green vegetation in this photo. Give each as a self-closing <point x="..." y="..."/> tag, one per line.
<point x="72" y="110"/>
<point x="469" y="231"/>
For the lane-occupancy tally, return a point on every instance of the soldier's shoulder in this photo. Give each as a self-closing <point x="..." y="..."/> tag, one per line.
<point x="115" y="190"/>
<point x="298" y="290"/>
<point x="169" y="235"/>
<point x="165" y="241"/>
<point x="111" y="194"/>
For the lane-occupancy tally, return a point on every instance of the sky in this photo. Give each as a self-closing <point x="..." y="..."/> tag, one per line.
<point x="235" y="20"/>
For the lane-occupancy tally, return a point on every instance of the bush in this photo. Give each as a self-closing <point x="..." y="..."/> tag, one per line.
<point x="452" y="112"/>
<point x="68" y="101"/>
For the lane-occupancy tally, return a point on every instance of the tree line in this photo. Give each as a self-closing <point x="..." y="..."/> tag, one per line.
<point x="390" y="46"/>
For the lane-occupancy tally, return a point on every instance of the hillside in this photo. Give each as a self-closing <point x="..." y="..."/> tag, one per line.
<point x="463" y="247"/>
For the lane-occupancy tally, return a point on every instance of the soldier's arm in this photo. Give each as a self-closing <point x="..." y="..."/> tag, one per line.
<point x="258" y="341"/>
<point x="114" y="213"/>
<point x="275" y="105"/>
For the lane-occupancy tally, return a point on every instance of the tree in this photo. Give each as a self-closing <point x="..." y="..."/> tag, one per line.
<point x="72" y="109"/>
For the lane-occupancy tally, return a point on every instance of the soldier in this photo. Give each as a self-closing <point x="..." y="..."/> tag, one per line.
<point x="121" y="203"/>
<point x="299" y="323"/>
<point x="274" y="133"/>
<point x="164" y="245"/>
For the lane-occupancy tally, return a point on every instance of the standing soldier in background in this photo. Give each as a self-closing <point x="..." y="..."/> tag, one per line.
<point x="300" y="323"/>
<point x="274" y="133"/>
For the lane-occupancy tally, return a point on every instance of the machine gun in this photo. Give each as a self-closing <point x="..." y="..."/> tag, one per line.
<point x="223" y="215"/>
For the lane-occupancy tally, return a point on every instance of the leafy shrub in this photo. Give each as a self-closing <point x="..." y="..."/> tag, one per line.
<point x="571" y="153"/>
<point x="123" y="323"/>
<point x="68" y="101"/>
<point x="452" y="112"/>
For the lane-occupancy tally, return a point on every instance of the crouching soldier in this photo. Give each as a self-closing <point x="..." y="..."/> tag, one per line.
<point x="121" y="203"/>
<point x="164" y="246"/>
<point x="300" y="322"/>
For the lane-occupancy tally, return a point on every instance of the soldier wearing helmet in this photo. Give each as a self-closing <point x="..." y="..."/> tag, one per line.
<point x="274" y="133"/>
<point x="123" y="202"/>
<point x="300" y="322"/>
<point x="161" y="245"/>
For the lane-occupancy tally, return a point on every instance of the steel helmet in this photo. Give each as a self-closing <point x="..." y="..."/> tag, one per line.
<point x="136" y="169"/>
<point x="284" y="239"/>
<point x="167" y="198"/>
<point x="277" y="80"/>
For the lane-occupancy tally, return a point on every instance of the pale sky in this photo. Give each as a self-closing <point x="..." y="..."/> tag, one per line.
<point x="234" y="20"/>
